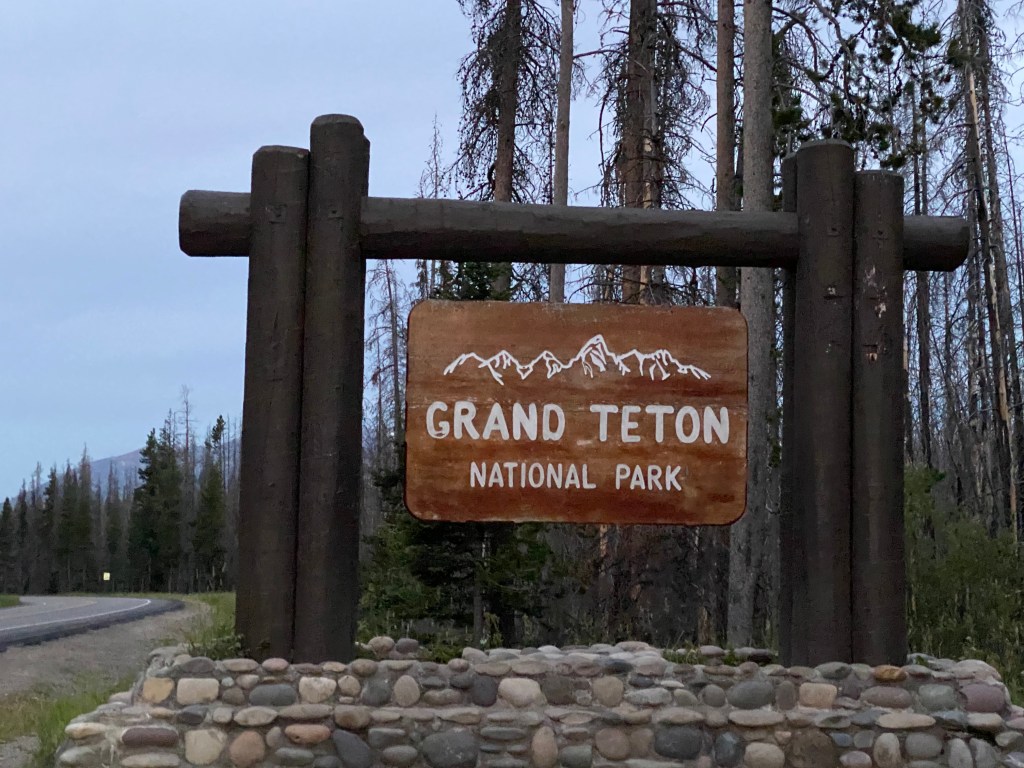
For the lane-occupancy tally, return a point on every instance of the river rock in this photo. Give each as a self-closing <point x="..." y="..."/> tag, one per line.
<point x="728" y="749"/>
<point x="204" y="746"/>
<point x="984" y="698"/>
<point x="451" y="749"/>
<point x="272" y="695"/>
<point x="887" y="751"/>
<point x="544" y="748"/>
<point x="247" y="749"/>
<point x="751" y="694"/>
<point x="923" y="746"/>
<point x="760" y="755"/>
<point x="887" y="696"/>
<point x="818" y="695"/>
<point x="608" y="690"/>
<point x="353" y="751"/>
<point x="680" y="742"/>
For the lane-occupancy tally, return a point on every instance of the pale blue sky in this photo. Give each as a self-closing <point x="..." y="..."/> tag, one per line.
<point x="112" y="109"/>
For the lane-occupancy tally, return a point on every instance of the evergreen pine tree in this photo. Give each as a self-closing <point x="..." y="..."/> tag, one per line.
<point x="66" y="533"/>
<point x="21" y="543"/>
<point x="7" y="547"/>
<point x="43" y="579"/>
<point x="114" y="560"/>
<point x="154" y="547"/>
<point x="208" y="532"/>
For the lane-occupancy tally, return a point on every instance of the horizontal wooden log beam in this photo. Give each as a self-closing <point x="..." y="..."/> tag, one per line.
<point x="217" y="224"/>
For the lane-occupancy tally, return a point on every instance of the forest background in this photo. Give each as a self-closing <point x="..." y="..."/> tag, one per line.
<point x="695" y="104"/>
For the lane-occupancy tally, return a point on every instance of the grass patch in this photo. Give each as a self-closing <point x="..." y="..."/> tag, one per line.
<point x="9" y="601"/>
<point x="213" y="634"/>
<point x="45" y="713"/>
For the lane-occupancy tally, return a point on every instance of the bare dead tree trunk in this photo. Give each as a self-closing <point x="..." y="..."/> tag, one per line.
<point x="637" y="138"/>
<point x="395" y="354"/>
<point x="1000" y="279"/>
<point x="923" y="297"/>
<point x="726" y="194"/>
<point x="1004" y="453"/>
<point x="560" y="186"/>
<point x="508" y="108"/>
<point x="747" y="539"/>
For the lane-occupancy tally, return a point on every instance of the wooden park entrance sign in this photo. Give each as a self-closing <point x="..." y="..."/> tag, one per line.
<point x="580" y="413"/>
<point x="308" y="228"/>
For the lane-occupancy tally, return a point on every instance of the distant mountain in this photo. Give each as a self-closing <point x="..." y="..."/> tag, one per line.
<point x="126" y="467"/>
<point x="593" y="358"/>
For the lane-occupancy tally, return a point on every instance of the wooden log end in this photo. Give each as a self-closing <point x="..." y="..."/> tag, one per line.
<point x="214" y="223"/>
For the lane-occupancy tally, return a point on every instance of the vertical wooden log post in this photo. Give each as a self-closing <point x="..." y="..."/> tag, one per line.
<point x="272" y="406"/>
<point x="879" y="576"/>
<point x="821" y="392"/>
<point x="327" y="557"/>
<point x="792" y="570"/>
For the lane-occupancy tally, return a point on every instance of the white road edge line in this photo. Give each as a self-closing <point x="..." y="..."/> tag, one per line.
<point x="81" y="618"/>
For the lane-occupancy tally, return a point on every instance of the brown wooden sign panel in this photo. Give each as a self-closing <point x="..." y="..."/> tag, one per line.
<point x="581" y="413"/>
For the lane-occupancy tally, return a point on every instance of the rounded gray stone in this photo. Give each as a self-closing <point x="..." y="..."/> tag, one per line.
<point x="463" y="680"/>
<point x="80" y="757"/>
<point x="192" y="715"/>
<point x="401" y="755"/>
<point x="196" y="666"/>
<point x="864" y="739"/>
<point x="381" y="738"/>
<point x="887" y="751"/>
<point x="577" y="756"/>
<point x="984" y="754"/>
<point x="958" y="755"/>
<point x="833" y="721"/>
<point x="376" y="692"/>
<point x="558" y="689"/>
<point x="483" y="691"/>
<point x="1010" y="740"/>
<point x="502" y="733"/>
<point x="649" y="697"/>
<point x="681" y="742"/>
<point x="842" y="740"/>
<point x="293" y="756"/>
<point x="683" y="698"/>
<point x="751" y="694"/>
<point x="922" y="746"/>
<point x="935" y="697"/>
<point x="352" y="750"/>
<point x="834" y="670"/>
<point x="728" y="749"/>
<point x="785" y="695"/>
<point x="887" y="696"/>
<point x="407" y="645"/>
<point x="954" y="719"/>
<point x="713" y="695"/>
<point x="433" y="683"/>
<point x="233" y="696"/>
<point x="327" y="761"/>
<point x="855" y="759"/>
<point x="272" y="695"/>
<point x="457" y="748"/>
<point x="615" y="666"/>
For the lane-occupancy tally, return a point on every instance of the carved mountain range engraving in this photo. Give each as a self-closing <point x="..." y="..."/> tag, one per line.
<point x="595" y="357"/>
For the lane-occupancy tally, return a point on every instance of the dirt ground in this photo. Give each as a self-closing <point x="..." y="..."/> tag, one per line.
<point x="99" y="658"/>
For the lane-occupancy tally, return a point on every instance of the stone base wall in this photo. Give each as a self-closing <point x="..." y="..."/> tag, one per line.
<point x="624" y="705"/>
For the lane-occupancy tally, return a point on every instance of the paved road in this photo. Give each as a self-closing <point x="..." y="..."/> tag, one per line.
<point x="48" y="617"/>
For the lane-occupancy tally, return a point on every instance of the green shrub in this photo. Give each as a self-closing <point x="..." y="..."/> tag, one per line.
<point x="965" y="596"/>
